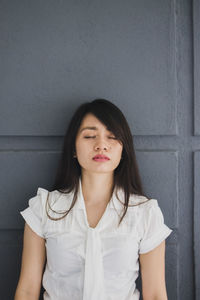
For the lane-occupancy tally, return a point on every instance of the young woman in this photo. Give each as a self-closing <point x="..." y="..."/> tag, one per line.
<point x="87" y="238"/>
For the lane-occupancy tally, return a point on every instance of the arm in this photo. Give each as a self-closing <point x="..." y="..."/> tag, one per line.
<point x="152" y="266"/>
<point x="33" y="259"/>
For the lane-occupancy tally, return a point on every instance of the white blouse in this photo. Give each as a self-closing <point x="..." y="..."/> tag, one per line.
<point x="98" y="263"/>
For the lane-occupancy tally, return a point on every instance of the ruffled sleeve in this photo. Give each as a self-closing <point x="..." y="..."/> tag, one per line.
<point x="154" y="229"/>
<point x="35" y="212"/>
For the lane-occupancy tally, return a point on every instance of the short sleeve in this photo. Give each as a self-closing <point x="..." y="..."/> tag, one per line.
<point x="154" y="229"/>
<point x="34" y="213"/>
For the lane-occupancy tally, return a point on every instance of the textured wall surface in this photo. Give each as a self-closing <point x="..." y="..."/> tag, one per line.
<point x="55" y="55"/>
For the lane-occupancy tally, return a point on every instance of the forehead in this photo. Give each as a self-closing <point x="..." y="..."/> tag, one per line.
<point x="91" y="121"/>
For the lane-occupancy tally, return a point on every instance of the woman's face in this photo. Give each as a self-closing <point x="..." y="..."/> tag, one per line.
<point x="97" y="140"/>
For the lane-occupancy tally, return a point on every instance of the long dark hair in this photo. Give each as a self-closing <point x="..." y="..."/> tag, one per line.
<point x="126" y="175"/>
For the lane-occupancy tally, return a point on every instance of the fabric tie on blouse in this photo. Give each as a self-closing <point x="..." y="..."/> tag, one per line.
<point x="94" y="273"/>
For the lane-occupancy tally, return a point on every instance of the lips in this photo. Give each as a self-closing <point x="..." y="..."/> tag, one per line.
<point x="98" y="156"/>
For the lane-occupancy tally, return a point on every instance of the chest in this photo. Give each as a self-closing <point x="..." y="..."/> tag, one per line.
<point x="66" y="242"/>
<point x="67" y="252"/>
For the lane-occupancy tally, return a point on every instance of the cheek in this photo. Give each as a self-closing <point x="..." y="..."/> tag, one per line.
<point x="80" y="148"/>
<point x="118" y="152"/>
<point x="83" y="154"/>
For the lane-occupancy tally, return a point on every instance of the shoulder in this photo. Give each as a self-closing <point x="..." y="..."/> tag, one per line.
<point x="54" y="198"/>
<point x="136" y="202"/>
<point x="59" y="201"/>
<point x="142" y="202"/>
<point x="39" y="198"/>
<point x="144" y="207"/>
<point x="148" y="211"/>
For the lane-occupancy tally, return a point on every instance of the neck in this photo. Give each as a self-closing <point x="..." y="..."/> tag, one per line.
<point x="97" y="188"/>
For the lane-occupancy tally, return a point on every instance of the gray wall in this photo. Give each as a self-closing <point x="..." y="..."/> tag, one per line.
<point x="138" y="54"/>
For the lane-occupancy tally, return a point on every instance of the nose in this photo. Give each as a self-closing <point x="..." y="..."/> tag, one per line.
<point x="101" y="145"/>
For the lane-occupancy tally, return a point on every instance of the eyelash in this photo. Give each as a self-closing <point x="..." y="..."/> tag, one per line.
<point x="87" y="137"/>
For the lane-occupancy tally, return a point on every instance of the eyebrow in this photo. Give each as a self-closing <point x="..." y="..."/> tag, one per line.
<point x="90" y="128"/>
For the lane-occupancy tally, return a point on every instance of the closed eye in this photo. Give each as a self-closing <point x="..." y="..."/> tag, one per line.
<point x="88" y="137"/>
